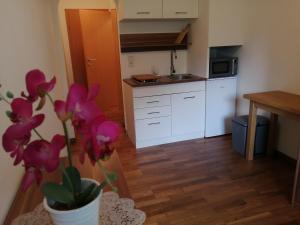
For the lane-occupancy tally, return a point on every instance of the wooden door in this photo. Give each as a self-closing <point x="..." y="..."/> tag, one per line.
<point x="76" y="46"/>
<point x="102" y="58"/>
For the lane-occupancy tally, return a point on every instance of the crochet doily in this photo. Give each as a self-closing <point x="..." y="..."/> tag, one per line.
<point x="113" y="211"/>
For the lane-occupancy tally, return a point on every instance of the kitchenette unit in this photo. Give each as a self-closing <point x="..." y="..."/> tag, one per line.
<point x="203" y="38"/>
<point x="164" y="112"/>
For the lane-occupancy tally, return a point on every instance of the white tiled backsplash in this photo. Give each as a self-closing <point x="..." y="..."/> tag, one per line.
<point x="152" y="62"/>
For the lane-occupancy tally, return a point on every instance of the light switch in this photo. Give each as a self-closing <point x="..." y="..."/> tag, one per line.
<point x="131" y="61"/>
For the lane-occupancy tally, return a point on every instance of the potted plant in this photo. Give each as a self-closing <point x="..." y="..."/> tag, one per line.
<point x="74" y="200"/>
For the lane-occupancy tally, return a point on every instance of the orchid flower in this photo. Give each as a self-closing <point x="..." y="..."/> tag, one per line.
<point x="80" y="105"/>
<point x="96" y="133"/>
<point x="14" y="139"/>
<point x="22" y="113"/>
<point x="37" y="86"/>
<point x="41" y="155"/>
<point x="32" y="175"/>
<point x="102" y="134"/>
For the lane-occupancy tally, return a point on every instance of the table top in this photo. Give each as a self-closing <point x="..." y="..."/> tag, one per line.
<point x="280" y="100"/>
<point x="26" y="202"/>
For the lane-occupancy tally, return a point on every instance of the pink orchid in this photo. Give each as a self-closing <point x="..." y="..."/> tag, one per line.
<point x="41" y="155"/>
<point x="103" y="133"/>
<point x="22" y="113"/>
<point x="32" y="175"/>
<point x="14" y="139"/>
<point x="44" y="155"/>
<point x="80" y="105"/>
<point x="37" y="86"/>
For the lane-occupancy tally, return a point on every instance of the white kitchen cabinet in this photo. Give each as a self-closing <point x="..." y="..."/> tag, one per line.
<point x="152" y="112"/>
<point x="158" y="9"/>
<point x="163" y="114"/>
<point x="140" y="9"/>
<point x="227" y="22"/>
<point x="188" y="113"/>
<point x="220" y="106"/>
<point x="173" y="9"/>
<point x="152" y="101"/>
<point x="155" y="128"/>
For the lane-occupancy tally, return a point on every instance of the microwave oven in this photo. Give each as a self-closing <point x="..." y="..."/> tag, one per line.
<point x="223" y="67"/>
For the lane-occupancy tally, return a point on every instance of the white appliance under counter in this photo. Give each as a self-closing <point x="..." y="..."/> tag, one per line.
<point x="220" y="105"/>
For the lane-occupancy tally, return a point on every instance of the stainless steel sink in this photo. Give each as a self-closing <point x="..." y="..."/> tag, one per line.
<point x="180" y="76"/>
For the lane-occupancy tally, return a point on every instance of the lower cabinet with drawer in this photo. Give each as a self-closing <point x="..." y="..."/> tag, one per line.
<point x="166" y="114"/>
<point x="155" y="128"/>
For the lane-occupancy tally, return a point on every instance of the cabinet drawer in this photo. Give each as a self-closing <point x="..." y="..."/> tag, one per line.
<point x="153" y="101"/>
<point x="153" y="128"/>
<point x="180" y="8"/>
<point x="142" y="9"/>
<point x="148" y="113"/>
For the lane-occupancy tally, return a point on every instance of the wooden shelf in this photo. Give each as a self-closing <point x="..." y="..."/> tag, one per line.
<point x="151" y="42"/>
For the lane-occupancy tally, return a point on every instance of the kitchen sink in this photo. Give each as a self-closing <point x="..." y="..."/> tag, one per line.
<point x="180" y="76"/>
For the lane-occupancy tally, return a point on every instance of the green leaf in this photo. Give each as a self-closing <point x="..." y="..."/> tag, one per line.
<point x="8" y="114"/>
<point x="112" y="176"/>
<point x="81" y="199"/>
<point x="72" y="180"/>
<point x="96" y="191"/>
<point x="103" y="184"/>
<point x="9" y="95"/>
<point x="57" y="193"/>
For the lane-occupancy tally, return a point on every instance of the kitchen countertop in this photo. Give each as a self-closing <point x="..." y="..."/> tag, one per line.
<point x="163" y="80"/>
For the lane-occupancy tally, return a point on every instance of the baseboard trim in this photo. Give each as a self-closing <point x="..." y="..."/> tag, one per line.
<point x="286" y="158"/>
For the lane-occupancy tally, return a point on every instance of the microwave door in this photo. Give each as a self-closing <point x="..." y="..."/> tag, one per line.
<point x="220" y="69"/>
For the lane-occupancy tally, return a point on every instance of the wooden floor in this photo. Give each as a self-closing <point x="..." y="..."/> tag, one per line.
<point x="206" y="182"/>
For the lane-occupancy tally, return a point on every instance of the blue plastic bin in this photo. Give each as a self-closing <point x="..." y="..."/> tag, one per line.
<point x="239" y="134"/>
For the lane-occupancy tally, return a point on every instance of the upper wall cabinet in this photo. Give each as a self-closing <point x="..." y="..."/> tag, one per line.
<point x="173" y="9"/>
<point x="227" y="22"/>
<point x="140" y="9"/>
<point x="158" y="9"/>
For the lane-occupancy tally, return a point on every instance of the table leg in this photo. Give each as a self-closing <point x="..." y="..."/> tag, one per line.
<point x="251" y="132"/>
<point x="296" y="181"/>
<point x="272" y="134"/>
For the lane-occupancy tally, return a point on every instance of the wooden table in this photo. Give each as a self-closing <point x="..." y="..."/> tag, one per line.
<point x="279" y="104"/>
<point x="26" y="202"/>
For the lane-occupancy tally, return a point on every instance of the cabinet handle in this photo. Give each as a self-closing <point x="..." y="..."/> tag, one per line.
<point x="151" y="113"/>
<point x="152" y="102"/>
<point x="151" y="124"/>
<point x="180" y="13"/>
<point x="190" y="97"/>
<point x="143" y="13"/>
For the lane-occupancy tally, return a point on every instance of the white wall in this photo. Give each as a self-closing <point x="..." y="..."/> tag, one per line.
<point x="29" y="39"/>
<point x="270" y="59"/>
<point x="158" y="62"/>
<point x="198" y="52"/>
<point x="152" y="62"/>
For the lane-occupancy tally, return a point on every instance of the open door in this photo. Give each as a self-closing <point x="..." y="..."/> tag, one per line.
<point x="101" y="51"/>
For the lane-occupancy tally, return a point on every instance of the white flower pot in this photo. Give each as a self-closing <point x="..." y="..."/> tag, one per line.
<point x="87" y="215"/>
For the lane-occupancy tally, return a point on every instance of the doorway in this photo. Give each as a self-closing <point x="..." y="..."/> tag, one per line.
<point x="95" y="54"/>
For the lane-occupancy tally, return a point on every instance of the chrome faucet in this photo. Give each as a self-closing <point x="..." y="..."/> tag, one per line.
<point x="172" y="68"/>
